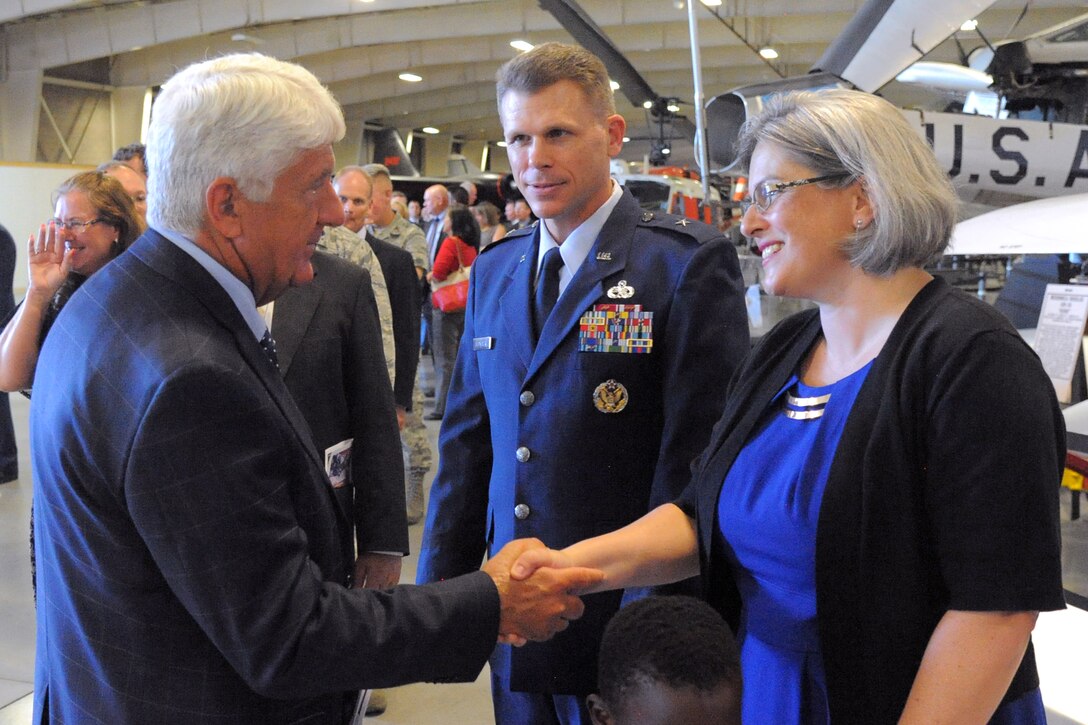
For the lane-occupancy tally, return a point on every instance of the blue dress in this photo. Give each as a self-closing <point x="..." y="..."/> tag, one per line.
<point x="767" y="512"/>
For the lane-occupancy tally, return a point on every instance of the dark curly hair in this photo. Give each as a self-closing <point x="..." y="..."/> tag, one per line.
<point x="678" y="641"/>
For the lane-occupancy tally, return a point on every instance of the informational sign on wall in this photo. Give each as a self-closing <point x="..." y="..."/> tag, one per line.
<point x="1061" y="330"/>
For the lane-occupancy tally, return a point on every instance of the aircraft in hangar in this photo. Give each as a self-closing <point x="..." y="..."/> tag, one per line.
<point x="389" y="150"/>
<point x="991" y="161"/>
<point x="1058" y="225"/>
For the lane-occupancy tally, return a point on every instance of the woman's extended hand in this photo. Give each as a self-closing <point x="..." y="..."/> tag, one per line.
<point x="523" y="568"/>
<point x="535" y="559"/>
<point x="49" y="261"/>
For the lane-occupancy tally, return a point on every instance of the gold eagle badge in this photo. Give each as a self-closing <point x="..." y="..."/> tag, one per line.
<point x="610" y="397"/>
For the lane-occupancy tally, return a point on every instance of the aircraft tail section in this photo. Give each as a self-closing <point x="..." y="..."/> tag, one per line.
<point x="458" y="165"/>
<point x="389" y="150"/>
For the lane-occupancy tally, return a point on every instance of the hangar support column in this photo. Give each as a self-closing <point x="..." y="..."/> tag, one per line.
<point x="20" y="94"/>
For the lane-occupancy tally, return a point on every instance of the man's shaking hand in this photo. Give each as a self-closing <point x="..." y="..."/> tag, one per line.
<point x="538" y="606"/>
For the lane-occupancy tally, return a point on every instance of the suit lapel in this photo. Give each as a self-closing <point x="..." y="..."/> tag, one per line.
<point x="516" y="300"/>
<point x="291" y="317"/>
<point x="607" y="256"/>
<point x="165" y="258"/>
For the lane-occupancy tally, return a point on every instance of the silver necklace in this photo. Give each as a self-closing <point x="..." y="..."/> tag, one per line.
<point x="805" y="408"/>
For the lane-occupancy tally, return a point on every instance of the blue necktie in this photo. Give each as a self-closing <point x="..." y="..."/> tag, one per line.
<point x="269" y="347"/>
<point x="547" y="289"/>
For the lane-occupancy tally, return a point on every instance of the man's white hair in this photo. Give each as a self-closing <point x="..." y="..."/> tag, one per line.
<point x="243" y="116"/>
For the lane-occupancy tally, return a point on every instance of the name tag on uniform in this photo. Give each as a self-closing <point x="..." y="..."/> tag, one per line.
<point x="482" y="343"/>
<point x="616" y="328"/>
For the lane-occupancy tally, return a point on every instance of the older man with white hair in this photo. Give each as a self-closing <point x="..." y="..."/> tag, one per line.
<point x="191" y="567"/>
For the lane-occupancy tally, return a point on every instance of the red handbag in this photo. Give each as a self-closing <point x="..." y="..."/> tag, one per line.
<point x="451" y="294"/>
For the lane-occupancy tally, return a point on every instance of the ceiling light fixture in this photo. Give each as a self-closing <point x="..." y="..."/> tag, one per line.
<point x="672" y="108"/>
<point x="647" y="105"/>
<point x="768" y="53"/>
<point x="431" y="130"/>
<point x="246" y="38"/>
<point x="712" y="3"/>
<point x="523" y="45"/>
<point x="501" y="144"/>
<point x="627" y="139"/>
<point x="410" y="77"/>
<point x="615" y="86"/>
<point x="969" y="25"/>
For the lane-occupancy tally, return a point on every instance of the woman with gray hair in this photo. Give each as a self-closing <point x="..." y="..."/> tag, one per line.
<point x="876" y="515"/>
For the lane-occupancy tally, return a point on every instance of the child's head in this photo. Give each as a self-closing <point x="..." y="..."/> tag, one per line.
<point x="667" y="660"/>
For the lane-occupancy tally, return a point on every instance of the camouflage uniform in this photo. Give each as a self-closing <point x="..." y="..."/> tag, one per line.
<point x="348" y="245"/>
<point x="408" y="236"/>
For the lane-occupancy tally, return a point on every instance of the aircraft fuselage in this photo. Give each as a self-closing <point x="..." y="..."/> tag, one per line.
<point x="996" y="160"/>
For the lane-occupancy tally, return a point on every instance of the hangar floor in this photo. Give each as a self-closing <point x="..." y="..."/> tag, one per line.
<point x="1061" y="638"/>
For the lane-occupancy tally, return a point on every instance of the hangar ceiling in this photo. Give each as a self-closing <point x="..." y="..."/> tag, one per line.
<point x="359" y="48"/>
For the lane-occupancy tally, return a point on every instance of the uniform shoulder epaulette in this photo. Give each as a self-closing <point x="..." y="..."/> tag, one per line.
<point x="697" y="230"/>
<point x="516" y="234"/>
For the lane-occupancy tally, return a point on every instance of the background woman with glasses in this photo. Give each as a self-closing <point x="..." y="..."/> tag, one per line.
<point x="95" y="221"/>
<point x="877" y="513"/>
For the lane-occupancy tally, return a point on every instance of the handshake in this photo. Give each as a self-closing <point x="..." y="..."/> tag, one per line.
<point x="537" y="600"/>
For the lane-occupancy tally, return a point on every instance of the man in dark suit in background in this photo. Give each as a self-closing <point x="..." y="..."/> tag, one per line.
<point x="191" y="567"/>
<point x="355" y="187"/>
<point x="328" y="341"/>
<point x="597" y="348"/>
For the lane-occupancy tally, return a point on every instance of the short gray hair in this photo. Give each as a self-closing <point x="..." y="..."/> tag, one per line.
<point x="244" y="116"/>
<point x="865" y="138"/>
<point x="373" y="170"/>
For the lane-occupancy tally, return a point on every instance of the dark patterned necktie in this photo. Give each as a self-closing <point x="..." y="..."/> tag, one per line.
<point x="269" y="347"/>
<point x="547" y="289"/>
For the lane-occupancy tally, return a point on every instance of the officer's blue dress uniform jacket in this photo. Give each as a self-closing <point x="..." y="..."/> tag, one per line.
<point x="524" y="449"/>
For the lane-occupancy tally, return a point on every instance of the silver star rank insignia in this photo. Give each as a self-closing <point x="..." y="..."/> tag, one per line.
<point x="682" y="222"/>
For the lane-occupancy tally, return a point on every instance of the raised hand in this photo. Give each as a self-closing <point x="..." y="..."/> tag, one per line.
<point x="49" y="262"/>
<point x="540" y="605"/>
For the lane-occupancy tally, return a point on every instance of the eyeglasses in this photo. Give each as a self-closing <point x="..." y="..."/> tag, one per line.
<point x="764" y="194"/>
<point x="74" y="225"/>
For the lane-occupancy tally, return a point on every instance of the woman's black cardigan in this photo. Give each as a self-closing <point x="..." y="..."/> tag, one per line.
<point x="943" y="493"/>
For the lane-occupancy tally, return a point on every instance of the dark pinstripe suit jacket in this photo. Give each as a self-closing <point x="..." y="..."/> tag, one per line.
<point x="190" y="569"/>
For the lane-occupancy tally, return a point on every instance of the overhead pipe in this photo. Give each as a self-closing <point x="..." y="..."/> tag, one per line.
<point x="700" y="109"/>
